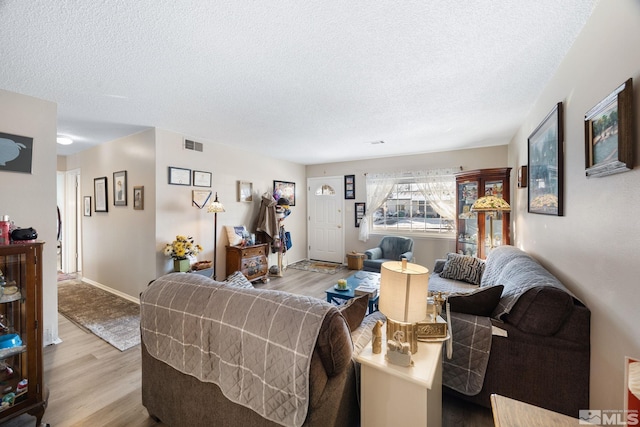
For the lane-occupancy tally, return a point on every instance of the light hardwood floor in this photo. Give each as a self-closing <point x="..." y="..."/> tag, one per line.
<point x="93" y="384"/>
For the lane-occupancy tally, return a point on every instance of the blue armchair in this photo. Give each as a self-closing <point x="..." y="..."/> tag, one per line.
<point x="391" y="248"/>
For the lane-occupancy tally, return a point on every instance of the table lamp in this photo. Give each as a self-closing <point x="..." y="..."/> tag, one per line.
<point x="403" y="298"/>
<point x="214" y="208"/>
<point x="491" y="205"/>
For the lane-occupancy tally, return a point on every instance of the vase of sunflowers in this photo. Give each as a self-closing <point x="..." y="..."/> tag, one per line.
<point x="182" y="250"/>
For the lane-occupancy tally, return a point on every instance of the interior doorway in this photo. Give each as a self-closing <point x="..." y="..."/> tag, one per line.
<point x="325" y="205"/>
<point x="70" y="236"/>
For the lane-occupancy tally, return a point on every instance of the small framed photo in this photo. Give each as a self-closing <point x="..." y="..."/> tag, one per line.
<point x="349" y="186"/>
<point x="201" y="179"/>
<point x="87" y="205"/>
<point x="245" y="191"/>
<point x="522" y="177"/>
<point x="285" y="189"/>
<point x="179" y="176"/>
<point x="138" y="198"/>
<point x="360" y="210"/>
<point x="120" y="188"/>
<point x="100" y="200"/>
<point x="199" y="198"/>
<point x="609" y="134"/>
<point x="546" y="165"/>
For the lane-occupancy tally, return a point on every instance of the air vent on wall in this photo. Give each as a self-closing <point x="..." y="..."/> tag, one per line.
<point x="192" y="145"/>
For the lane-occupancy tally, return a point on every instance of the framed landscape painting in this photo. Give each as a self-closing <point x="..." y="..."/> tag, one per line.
<point x="608" y="132"/>
<point x="546" y="165"/>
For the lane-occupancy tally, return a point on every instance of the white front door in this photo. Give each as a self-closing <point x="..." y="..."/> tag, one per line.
<point x="325" y="200"/>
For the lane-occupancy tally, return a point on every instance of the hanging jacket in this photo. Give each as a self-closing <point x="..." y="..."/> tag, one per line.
<point x="267" y="222"/>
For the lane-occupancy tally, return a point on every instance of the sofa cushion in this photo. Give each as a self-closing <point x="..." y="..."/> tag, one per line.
<point x="463" y="267"/>
<point x="480" y="302"/>
<point x="541" y="311"/>
<point x="334" y="344"/>
<point x="238" y="280"/>
<point x="354" y="311"/>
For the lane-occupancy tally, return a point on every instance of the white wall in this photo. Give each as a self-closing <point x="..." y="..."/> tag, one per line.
<point x="426" y="249"/>
<point x="122" y="248"/>
<point x="118" y="246"/>
<point x="30" y="199"/>
<point x="593" y="249"/>
<point x="228" y="165"/>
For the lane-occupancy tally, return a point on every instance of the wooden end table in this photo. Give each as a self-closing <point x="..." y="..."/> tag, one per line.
<point x="394" y="395"/>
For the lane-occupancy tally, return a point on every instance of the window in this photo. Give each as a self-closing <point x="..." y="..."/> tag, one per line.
<point x="411" y="202"/>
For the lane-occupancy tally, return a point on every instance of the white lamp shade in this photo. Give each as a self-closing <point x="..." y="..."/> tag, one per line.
<point x="403" y="292"/>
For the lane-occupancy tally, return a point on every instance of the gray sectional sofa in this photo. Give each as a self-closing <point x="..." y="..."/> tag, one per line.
<point x="539" y="344"/>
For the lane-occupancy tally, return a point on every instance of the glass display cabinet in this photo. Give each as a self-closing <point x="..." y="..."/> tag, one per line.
<point x="21" y="369"/>
<point x="473" y="227"/>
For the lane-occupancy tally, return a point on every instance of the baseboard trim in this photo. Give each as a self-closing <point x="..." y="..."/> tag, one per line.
<point x="111" y="290"/>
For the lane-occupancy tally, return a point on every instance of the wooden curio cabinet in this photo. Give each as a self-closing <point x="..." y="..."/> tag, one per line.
<point x="473" y="227"/>
<point x="21" y="369"/>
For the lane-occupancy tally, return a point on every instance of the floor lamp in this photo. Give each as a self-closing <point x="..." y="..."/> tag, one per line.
<point x="214" y="208"/>
<point x="491" y="205"/>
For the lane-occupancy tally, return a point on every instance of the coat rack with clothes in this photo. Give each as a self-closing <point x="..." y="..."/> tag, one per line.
<point x="284" y="237"/>
<point x="270" y="227"/>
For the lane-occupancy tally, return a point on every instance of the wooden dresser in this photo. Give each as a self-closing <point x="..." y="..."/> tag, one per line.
<point x="251" y="260"/>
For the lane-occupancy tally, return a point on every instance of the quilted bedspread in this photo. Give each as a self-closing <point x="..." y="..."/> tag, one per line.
<point x="464" y="372"/>
<point x="256" y="345"/>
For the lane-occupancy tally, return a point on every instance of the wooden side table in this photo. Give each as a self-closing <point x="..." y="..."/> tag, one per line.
<point x="509" y="412"/>
<point x="399" y="396"/>
<point x="251" y="260"/>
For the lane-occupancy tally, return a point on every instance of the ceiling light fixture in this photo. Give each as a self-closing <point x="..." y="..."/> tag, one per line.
<point x="62" y="140"/>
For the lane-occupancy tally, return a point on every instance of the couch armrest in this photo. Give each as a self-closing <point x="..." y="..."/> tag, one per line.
<point x="407" y="255"/>
<point x="439" y="265"/>
<point x="375" y="253"/>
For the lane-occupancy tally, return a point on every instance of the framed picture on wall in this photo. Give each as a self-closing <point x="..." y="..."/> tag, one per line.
<point x="138" y="198"/>
<point x="609" y="135"/>
<point x="87" y="205"/>
<point x="201" y="179"/>
<point x="360" y="209"/>
<point x="179" y="176"/>
<point x="546" y="165"/>
<point x="100" y="200"/>
<point x="285" y="189"/>
<point x="349" y="186"/>
<point x="245" y="191"/>
<point x="120" y="188"/>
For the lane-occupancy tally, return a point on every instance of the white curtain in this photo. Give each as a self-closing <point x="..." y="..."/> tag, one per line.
<point x="378" y="188"/>
<point x="438" y="186"/>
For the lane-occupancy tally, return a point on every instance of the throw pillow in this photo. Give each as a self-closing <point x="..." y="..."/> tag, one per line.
<point x="354" y="311"/>
<point x="238" y="280"/>
<point x="463" y="267"/>
<point x="480" y="302"/>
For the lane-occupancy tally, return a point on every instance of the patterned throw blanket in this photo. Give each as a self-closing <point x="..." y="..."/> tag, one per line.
<point x="464" y="372"/>
<point x="256" y="345"/>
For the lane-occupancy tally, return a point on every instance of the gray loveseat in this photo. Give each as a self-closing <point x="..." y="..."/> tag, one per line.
<point x="179" y="335"/>
<point x="541" y="353"/>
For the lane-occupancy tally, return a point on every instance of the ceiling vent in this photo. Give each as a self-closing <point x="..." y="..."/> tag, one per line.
<point x="192" y="145"/>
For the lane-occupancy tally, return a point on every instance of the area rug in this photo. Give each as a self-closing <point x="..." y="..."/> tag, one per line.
<point x="110" y="317"/>
<point x="317" y="266"/>
<point x="65" y="276"/>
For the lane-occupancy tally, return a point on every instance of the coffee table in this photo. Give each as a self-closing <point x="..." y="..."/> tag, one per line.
<point x="337" y="296"/>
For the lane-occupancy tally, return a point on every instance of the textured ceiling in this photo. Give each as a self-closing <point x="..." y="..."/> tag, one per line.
<point x="306" y="81"/>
